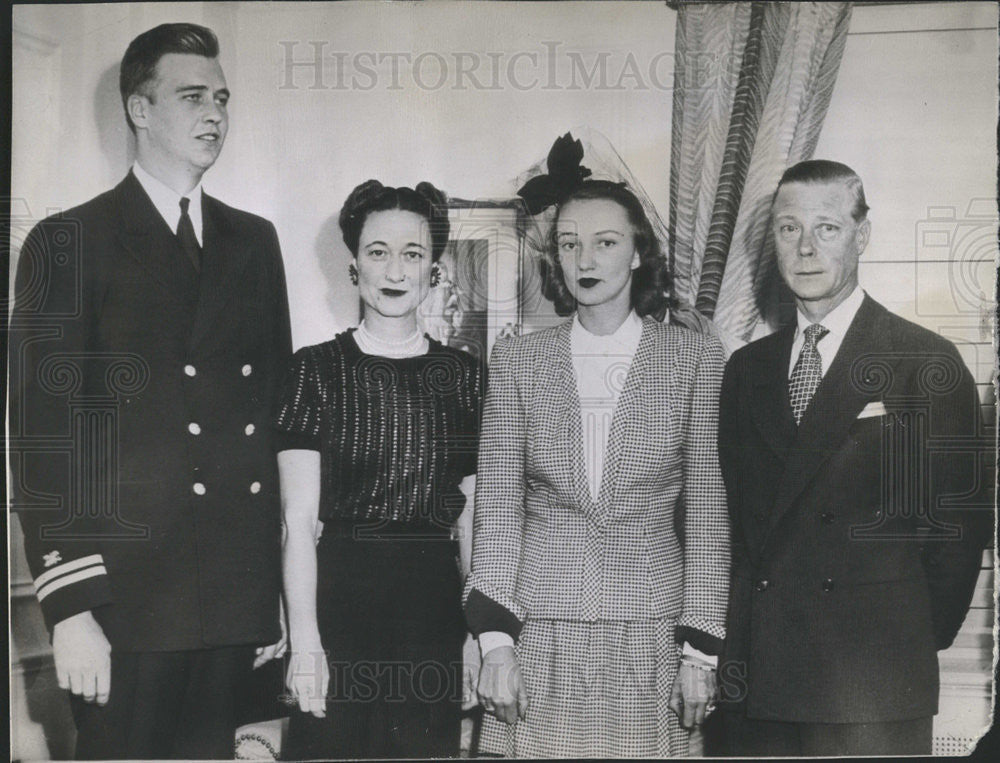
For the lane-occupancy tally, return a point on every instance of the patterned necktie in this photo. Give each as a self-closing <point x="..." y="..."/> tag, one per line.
<point x="185" y="234"/>
<point x="807" y="372"/>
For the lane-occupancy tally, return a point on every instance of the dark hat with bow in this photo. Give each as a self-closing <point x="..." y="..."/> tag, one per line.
<point x="565" y="176"/>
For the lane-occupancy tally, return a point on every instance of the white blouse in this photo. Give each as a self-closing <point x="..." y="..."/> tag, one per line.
<point x="601" y="364"/>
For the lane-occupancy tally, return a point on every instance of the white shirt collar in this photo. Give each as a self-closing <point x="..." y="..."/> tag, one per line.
<point x="167" y="201"/>
<point x="837" y="322"/>
<point x="624" y="338"/>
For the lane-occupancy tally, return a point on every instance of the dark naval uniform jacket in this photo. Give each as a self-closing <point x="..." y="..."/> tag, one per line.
<point x="856" y="541"/>
<point x="141" y="392"/>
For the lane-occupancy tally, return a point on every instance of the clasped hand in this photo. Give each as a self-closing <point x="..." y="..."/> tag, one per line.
<point x="308" y="678"/>
<point x="692" y="696"/>
<point x="501" y="687"/>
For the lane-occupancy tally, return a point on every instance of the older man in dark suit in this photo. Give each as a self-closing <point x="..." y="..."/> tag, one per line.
<point x="150" y="326"/>
<point x="845" y="446"/>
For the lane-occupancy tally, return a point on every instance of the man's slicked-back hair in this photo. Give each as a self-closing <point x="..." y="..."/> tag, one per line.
<point x="138" y="67"/>
<point x="826" y="171"/>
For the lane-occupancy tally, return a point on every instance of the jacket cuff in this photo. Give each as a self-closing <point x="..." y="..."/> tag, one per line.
<point x="690" y="651"/>
<point x="294" y="441"/>
<point x="703" y="642"/>
<point x="72" y="587"/>
<point x="482" y="615"/>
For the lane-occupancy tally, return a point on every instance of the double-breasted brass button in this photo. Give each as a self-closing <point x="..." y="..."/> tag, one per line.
<point x="194" y="428"/>
<point x="190" y="370"/>
<point x="198" y="488"/>
<point x="249" y="429"/>
<point x="247" y="369"/>
<point x="255" y="487"/>
<point x="762" y="585"/>
<point x="828" y="585"/>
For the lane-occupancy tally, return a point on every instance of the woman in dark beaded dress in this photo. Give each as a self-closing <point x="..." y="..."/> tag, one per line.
<point x="378" y="433"/>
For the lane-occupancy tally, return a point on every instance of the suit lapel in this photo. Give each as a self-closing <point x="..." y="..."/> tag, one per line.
<point x="145" y="236"/>
<point x="224" y="257"/>
<point x="771" y="411"/>
<point x="835" y="406"/>
<point x="626" y="410"/>
<point x="562" y="386"/>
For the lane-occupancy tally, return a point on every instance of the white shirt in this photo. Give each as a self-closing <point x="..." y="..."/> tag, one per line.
<point x="168" y="202"/>
<point x="837" y="321"/>
<point x="601" y="364"/>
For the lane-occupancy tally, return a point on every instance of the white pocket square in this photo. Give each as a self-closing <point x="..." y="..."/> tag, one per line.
<point x="873" y="409"/>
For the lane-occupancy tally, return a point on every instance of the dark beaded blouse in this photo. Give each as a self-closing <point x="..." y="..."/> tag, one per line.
<point x="395" y="435"/>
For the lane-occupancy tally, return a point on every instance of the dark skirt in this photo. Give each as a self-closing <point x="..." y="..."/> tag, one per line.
<point x="390" y="618"/>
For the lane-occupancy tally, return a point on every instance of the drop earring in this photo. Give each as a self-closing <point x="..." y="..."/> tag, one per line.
<point x="352" y="271"/>
<point x="435" y="276"/>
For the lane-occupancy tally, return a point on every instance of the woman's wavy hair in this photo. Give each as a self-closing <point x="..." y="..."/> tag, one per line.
<point x="371" y="196"/>
<point x="651" y="281"/>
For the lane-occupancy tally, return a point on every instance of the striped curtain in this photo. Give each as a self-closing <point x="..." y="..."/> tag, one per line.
<point x="752" y="85"/>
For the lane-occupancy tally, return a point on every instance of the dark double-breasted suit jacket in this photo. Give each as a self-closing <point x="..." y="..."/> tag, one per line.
<point x="855" y="554"/>
<point x="141" y="394"/>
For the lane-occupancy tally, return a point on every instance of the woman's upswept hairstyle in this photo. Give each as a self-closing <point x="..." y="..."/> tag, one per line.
<point x="371" y="196"/>
<point x="651" y="281"/>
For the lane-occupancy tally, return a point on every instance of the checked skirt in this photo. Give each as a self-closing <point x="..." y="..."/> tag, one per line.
<point x="596" y="689"/>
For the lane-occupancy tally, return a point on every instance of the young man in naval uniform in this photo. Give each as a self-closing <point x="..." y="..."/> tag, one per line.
<point x="149" y="330"/>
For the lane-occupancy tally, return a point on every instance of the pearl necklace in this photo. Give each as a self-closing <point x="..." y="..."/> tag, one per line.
<point x="415" y="344"/>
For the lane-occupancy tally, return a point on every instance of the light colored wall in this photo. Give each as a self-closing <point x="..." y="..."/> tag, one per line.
<point x="294" y="153"/>
<point x="914" y="111"/>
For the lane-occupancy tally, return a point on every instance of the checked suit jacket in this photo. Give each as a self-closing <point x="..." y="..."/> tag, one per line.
<point x="542" y="548"/>
<point x="141" y="395"/>
<point x="856" y="538"/>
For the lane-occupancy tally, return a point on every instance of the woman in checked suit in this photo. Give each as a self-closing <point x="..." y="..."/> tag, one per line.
<point x="598" y="602"/>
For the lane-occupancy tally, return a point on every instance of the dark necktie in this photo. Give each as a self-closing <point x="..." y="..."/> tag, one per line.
<point x="807" y="372"/>
<point x="185" y="234"/>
